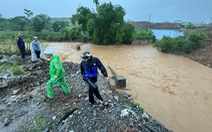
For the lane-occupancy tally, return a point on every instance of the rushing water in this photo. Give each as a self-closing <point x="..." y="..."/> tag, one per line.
<point x="159" y="33"/>
<point x="175" y="90"/>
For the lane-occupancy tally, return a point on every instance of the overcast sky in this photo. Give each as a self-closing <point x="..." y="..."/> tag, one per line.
<point x="136" y="10"/>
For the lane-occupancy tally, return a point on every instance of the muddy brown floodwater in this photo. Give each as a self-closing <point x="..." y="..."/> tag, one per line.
<point x="173" y="89"/>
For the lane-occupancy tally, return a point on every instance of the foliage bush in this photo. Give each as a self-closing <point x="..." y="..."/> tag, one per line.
<point x="84" y="36"/>
<point x="50" y="36"/>
<point x="126" y="36"/>
<point x="143" y="34"/>
<point x="192" y="41"/>
<point x="190" y="26"/>
<point x="165" y="44"/>
<point x="197" y="39"/>
<point x="180" y="44"/>
<point x="178" y="26"/>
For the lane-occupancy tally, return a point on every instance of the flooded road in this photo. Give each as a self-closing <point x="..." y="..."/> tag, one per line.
<point x="174" y="90"/>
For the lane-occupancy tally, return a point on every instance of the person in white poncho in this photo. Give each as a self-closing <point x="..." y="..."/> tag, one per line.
<point x="36" y="50"/>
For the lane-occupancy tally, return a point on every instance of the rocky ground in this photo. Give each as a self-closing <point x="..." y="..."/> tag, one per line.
<point x="24" y="107"/>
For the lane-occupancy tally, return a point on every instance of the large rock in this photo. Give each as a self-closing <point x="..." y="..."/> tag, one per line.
<point x="3" y="83"/>
<point x="1" y="57"/>
<point x="14" y="58"/>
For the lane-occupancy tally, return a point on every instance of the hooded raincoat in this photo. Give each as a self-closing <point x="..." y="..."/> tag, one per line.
<point x="56" y="69"/>
<point x="33" y="54"/>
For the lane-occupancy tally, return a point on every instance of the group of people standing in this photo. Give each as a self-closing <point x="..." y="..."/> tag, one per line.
<point x="35" y="47"/>
<point x="89" y="70"/>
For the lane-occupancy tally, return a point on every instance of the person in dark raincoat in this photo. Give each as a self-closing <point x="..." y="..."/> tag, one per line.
<point x="21" y="46"/>
<point x="89" y="70"/>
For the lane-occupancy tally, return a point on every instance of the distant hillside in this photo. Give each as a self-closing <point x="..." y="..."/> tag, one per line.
<point x="165" y="25"/>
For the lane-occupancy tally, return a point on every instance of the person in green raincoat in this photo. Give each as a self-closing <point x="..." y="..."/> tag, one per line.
<point x="57" y="74"/>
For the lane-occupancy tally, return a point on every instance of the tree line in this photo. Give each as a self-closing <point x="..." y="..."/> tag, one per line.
<point x="104" y="25"/>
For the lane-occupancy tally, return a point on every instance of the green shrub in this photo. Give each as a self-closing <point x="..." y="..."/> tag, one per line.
<point x="178" y="26"/>
<point x="197" y="39"/>
<point x="187" y="48"/>
<point x="180" y="44"/>
<point x="192" y="41"/>
<point x="126" y="35"/>
<point x="84" y="36"/>
<point x="142" y="34"/>
<point x="166" y="44"/>
<point x="72" y="32"/>
<point x="190" y="26"/>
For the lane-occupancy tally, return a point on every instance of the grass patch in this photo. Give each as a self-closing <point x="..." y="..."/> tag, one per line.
<point x="8" y="46"/>
<point x="139" y="107"/>
<point x="17" y="70"/>
<point x="11" y="66"/>
<point x="37" y="124"/>
<point x="131" y="104"/>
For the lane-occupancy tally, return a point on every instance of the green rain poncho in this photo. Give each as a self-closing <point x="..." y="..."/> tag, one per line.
<point x="56" y="69"/>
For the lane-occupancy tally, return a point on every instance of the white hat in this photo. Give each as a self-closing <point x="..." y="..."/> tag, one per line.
<point x="35" y="37"/>
<point x="48" y="51"/>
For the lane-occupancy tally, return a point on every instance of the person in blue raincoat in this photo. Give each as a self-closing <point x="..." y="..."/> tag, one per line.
<point x="89" y="69"/>
<point x="36" y="50"/>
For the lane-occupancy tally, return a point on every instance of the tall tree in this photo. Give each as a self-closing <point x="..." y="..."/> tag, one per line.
<point x="82" y="17"/>
<point x="28" y="13"/>
<point x="41" y="22"/>
<point x="19" y="23"/>
<point x="96" y="2"/>
<point x="38" y="24"/>
<point x="108" y="23"/>
<point x="58" y="25"/>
